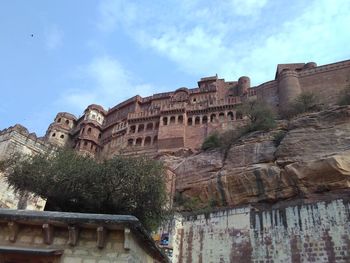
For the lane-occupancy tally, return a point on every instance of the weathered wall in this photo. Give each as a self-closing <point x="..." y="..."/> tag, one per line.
<point x="85" y="251"/>
<point x="314" y="232"/>
<point x="17" y="139"/>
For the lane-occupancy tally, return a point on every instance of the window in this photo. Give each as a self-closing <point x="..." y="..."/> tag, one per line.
<point x="130" y="142"/>
<point x="180" y="119"/>
<point x="54" y="134"/>
<point x="67" y="122"/>
<point x="99" y="135"/>
<point x="59" y="120"/>
<point x="132" y="129"/>
<point x="93" y="116"/>
<point x="239" y="115"/>
<point x="172" y="119"/>
<point x="62" y="136"/>
<point x="212" y="118"/>
<point x="230" y="115"/>
<point x="205" y="119"/>
<point x="222" y="116"/>
<point x="138" y="141"/>
<point x="148" y="141"/>
<point x="149" y="127"/>
<point x="197" y="120"/>
<point x="165" y="120"/>
<point x="141" y="128"/>
<point x="189" y="121"/>
<point x="89" y="131"/>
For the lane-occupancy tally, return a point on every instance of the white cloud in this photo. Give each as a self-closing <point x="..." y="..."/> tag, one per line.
<point x="106" y="83"/>
<point x="236" y="37"/>
<point x="53" y="38"/>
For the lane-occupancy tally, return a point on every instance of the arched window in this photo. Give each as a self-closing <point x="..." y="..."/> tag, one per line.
<point x="59" y="120"/>
<point x="89" y="131"/>
<point x="62" y="136"/>
<point x="149" y="126"/>
<point x="221" y="116"/>
<point x="172" y="119"/>
<point x="130" y="142"/>
<point x="147" y="141"/>
<point x="205" y="119"/>
<point x="230" y="115"/>
<point x="54" y="134"/>
<point x="67" y="122"/>
<point x="138" y="141"/>
<point x="132" y="129"/>
<point x="141" y="128"/>
<point x="165" y="120"/>
<point x="155" y="139"/>
<point x="85" y="143"/>
<point x="180" y="119"/>
<point x="239" y="115"/>
<point x="197" y="120"/>
<point x="189" y="121"/>
<point x="212" y="118"/>
<point x="99" y="135"/>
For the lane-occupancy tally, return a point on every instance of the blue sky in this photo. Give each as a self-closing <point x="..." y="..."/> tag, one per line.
<point x="103" y="52"/>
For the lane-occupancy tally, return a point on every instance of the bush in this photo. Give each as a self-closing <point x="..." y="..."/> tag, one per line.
<point x="211" y="142"/>
<point x="305" y="102"/>
<point x="344" y="98"/>
<point x="278" y="137"/>
<point x="260" y="115"/>
<point x="74" y="183"/>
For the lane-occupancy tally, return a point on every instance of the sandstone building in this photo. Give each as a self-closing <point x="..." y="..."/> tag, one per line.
<point x="181" y="119"/>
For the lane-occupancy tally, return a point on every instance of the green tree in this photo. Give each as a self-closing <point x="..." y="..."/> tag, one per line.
<point x="261" y="116"/>
<point x="75" y="183"/>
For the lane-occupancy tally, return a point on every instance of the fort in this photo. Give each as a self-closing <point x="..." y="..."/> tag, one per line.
<point x="181" y="119"/>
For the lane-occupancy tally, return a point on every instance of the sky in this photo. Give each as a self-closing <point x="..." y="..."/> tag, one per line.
<point x="63" y="55"/>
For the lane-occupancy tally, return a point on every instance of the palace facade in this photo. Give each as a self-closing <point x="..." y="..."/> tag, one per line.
<point x="181" y="119"/>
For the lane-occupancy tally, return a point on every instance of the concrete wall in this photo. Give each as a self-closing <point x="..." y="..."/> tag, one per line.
<point x="316" y="232"/>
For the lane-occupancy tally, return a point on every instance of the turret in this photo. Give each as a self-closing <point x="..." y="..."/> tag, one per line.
<point x="288" y="88"/>
<point x="88" y="141"/>
<point x="58" y="131"/>
<point x="243" y="86"/>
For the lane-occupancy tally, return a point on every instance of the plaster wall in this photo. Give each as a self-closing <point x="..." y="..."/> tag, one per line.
<point x="316" y="232"/>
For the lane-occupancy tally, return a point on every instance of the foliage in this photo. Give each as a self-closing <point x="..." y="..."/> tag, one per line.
<point x="305" y="102"/>
<point x="194" y="204"/>
<point x="211" y="142"/>
<point x="278" y="137"/>
<point x="260" y="115"/>
<point x="75" y="183"/>
<point x="344" y="98"/>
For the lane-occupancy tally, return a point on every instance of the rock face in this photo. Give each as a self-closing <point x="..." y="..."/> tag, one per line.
<point x="313" y="157"/>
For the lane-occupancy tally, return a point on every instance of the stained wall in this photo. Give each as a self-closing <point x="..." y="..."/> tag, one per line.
<point x="314" y="232"/>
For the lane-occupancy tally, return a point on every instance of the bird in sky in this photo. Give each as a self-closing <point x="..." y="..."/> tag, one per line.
<point x="32" y="35"/>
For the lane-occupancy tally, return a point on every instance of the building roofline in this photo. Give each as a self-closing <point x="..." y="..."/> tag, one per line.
<point x="84" y="220"/>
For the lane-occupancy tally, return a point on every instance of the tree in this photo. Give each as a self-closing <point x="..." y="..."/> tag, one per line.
<point x="260" y="115"/>
<point x="75" y="183"/>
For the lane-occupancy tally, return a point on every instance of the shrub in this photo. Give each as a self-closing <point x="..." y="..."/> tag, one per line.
<point x="211" y="142"/>
<point x="305" y="102"/>
<point x="344" y="98"/>
<point x="260" y="115"/>
<point x="278" y="137"/>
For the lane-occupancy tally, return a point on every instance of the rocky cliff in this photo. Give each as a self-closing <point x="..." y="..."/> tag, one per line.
<point x="302" y="158"/>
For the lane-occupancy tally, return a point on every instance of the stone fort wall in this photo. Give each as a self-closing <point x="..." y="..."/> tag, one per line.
<point x="300" y="232"/>
<point x="183" y="118"/>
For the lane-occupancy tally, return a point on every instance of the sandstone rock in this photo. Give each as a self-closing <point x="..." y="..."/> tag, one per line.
<point x="313" y="157"/>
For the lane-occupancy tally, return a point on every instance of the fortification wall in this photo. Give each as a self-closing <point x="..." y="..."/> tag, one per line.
<point x="326" y="81"/>
<point x="314" y="232"/>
